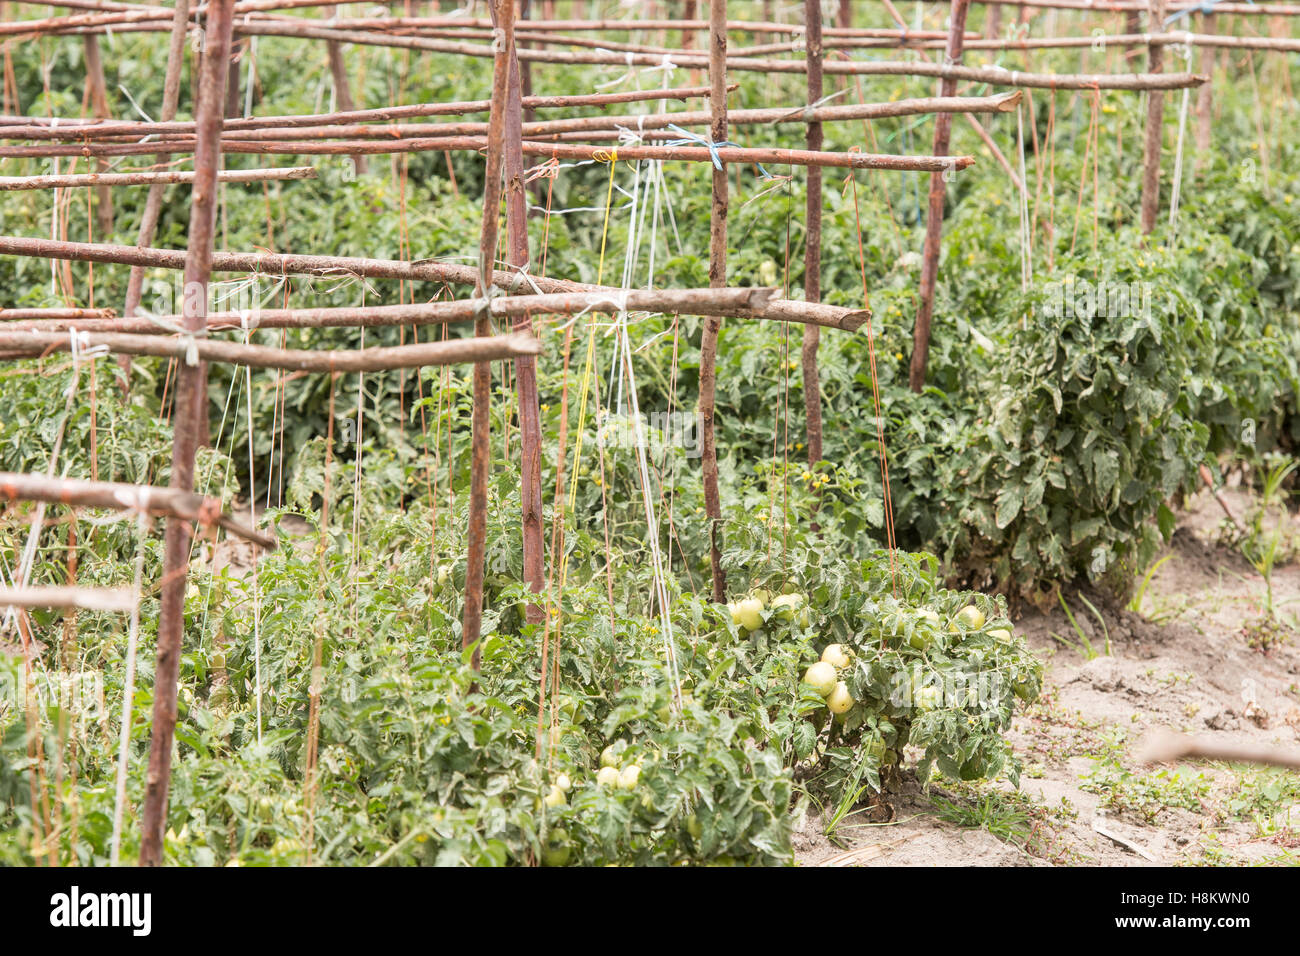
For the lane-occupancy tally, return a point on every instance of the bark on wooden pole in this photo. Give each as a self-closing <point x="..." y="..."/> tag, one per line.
<point x="342" y="87"/>
<point x="278" y="264"/>
<point x="97" y="88"/>
<point x="530" y="421"/>
<point x="76" y="128"/>
<point x="189" y="396"/>
<point x="995" y="75"/>
<point x="934" y="215"/>
<point x="478" y="349"/>
<point x="688" y="154"/>
<point x="1205" y="105"/>
<point x="78" y="493"/>
<point x="743" y="302"/>
<point x="812" y="260"/>
<point x="852" y="112"/>
<point x="98" y="180"/>
<point x="153" y="201"/>
<point x="717" y="278"/>
<point x="1154" y="126"/>
<point x="482" y="388"/>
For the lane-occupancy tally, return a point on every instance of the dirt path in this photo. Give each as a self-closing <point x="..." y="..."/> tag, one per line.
<point x="1184" y="663"/>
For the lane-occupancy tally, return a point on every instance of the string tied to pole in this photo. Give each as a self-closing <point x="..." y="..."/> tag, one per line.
<point x="1206" y="7"/>
<point x="695" y="139"/>
<point x="629" y="58"/>
<point x="189" y="336"/>
<point x="666" y="65"/>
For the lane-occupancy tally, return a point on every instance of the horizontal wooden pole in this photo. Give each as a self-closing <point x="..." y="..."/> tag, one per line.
<point x="1275" y="44"/>
<point x="691" y="154"/>
<point x="173" y="502"/>
<point x="41" y="127"/>
<point x="81" y="180"/>
<point x="642" y="123"/>
<point x="451" y="352"/>
<point x="86" y="599"/>
<point x="269" y="263"/>
<point x="728" y="303"/>
<point x="999" y="103"/>
<point x="7" y="315"/>
<point x="697" y="61"/>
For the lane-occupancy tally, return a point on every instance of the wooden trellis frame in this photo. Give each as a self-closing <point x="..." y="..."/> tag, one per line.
<point x="506" y="139"/>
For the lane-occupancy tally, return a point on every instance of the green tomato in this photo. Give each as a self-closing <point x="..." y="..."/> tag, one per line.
<point x="607" y="777"/>
<point x="609" y="757"/>
<point x="750" y="614"/>
<point x="784" y="606"/>
<point x="969" y="617"/>
<point x="837" y="655"/>
<point x="840" y="700"/>
<point x="557" y="851"/>
<point x="822" y="678"/>
<point x="628" y="778"/>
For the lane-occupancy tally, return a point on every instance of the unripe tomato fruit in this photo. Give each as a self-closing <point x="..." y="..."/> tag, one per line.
<point x="840" y="700"/>
<point x="821" y="677"/>
<point x="750" y="614"/>
<point x="837" y="656"/>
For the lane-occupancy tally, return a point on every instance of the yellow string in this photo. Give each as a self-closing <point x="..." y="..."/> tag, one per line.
<point x="589" y="364"/>
<point x="609" y="202"/>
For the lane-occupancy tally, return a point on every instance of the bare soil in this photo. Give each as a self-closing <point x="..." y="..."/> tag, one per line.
<point x="1186" y="663"/>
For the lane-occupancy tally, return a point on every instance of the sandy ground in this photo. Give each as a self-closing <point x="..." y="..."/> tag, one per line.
<point x="1184" y="663"/>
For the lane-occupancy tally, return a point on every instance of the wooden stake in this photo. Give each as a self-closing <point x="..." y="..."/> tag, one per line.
<point x="934" y="215"/>
<point x="189" y="399"/>
<point x="342" y="89"/>
<point x="717" y="279"/>
<point x="153" y="201"/>
<point x="1155" y="126"/>
<point x="1205" y="105"/>
<point x="479" y="464"/>
<point x="812" y="395"/>
<point x="97" y="88"/>
<point x="530" y="422"/>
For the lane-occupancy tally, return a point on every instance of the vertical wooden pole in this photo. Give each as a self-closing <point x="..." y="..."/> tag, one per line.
<point x="717" y="278"/>
<point x="153" y="201"/>
<point x="530" y="423"/>
<point x="934" y="216"/>
<point x="479" y="462"/>
<point x="812" y="259"/>
<point x="1205" y="99"/>
<point x="526" y="70"/>
<point x="234" y="102"/>
<point x="97" y="88"/>
<point x="1155" y="124"/>
<point x="342" y="89"/>
<point x="189" y="395"/>
<point x="689" y="11"/>
<point x="846" y="14"/>
<point x="994" y="22"/>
